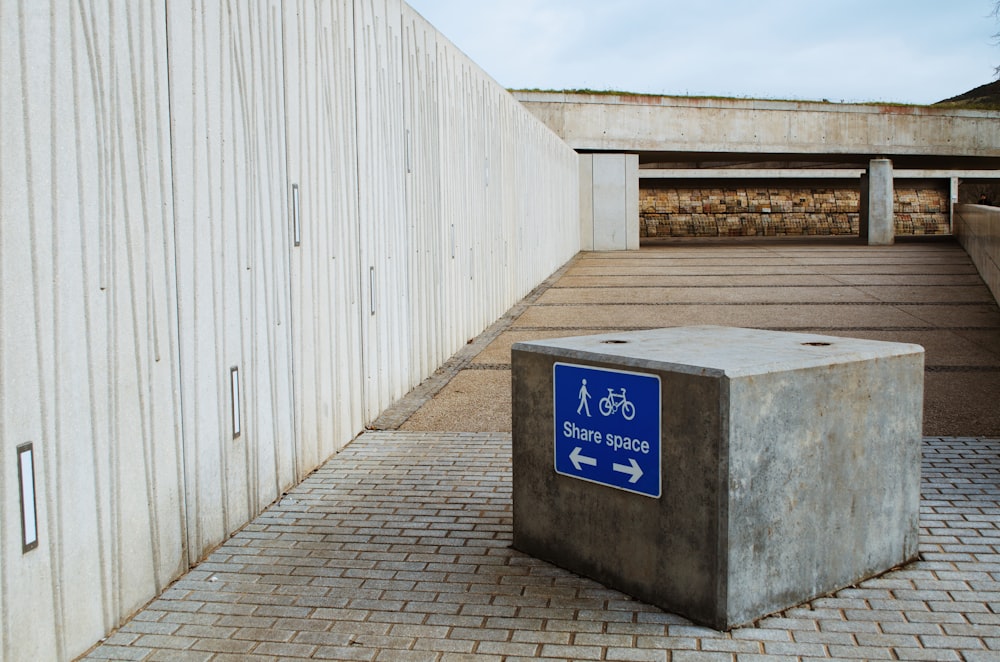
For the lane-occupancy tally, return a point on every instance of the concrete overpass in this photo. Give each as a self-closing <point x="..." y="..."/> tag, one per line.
<point x="626" y="138"/>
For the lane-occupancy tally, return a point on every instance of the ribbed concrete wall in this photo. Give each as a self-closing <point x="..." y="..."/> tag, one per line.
<point x="325" y="197"/>
<point x="90" y="369"/>
<point x="232" y="247"/>
<point x="978" y="230"/>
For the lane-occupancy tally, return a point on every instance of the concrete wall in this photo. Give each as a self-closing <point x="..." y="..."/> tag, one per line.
<point x="700" y="125"/>
<point x="326" y="197"/>
<point x="609" y="202"/>
<point x="978" y="230"/>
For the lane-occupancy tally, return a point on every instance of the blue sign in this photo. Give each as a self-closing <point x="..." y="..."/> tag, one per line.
<point x="608" y="427"/>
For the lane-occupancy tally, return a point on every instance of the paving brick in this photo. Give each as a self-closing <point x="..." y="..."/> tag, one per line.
<point x="961" y="607"/>
<point x="603" y="639"/>
<point x="701" y="656"/>
<point x="406" y="656"/>
<point x="508" y="648"/>
<point x="223" y="608"/>
<point x="762" y="634"/>
<point x="861" y="653"/>
<point x="340" y="570"/>
<point x="586" y="627"/>
<point x="651" y="629"/>
<point x="898" y="605"/>
<point x="633" y="655"/>
<point x="572" y="652"/>
<point x="515" y="623"/>
<point x="216" y="645"/>
<point x="480" y="634"/>
<point x="246" y="621"/>
<point x="149" y="614"/>
<point x="913" y="628"/>
<point x="453" y="620"/>
<point x="169" y="642"/>
<point x="979" y="656"/>
<point x="971" y="630"/>
<point x="108" y="651"/>
<point x="923" y="654"/>
<point x="839" y="638"/>
<point x="808" y="612"/>
<point x="121" y="638"/>
<point x="881" y="615"/>
<point x="794" y="649"/>
<point x="695" y="631"/>
<point x="889" y="640"/>
<point x="263" y="634"/>
<point x="760" y="657"/>
<point x="166" y="655"/>
<point x="345" y="653"/>
<point x="206" y="631"/>
<point x="984" y="619"/>
<point x="151" y="627"/>
<point x="726" y="645"/>
<point x="936" y="617"/>
<point x="541" y="637"/>
<point x="970" y="643"/>
<point x="668" y="643"/>
<point x="332" y="638"/>
<point x="445" y="645"/>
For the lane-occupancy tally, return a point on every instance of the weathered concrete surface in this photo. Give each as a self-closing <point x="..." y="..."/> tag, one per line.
<point x="790" y="468"/>
<point x="978" y="230"/>
<point x="877" y="200"/>
<point x="609" y="220"/>
<point x="924" y="292"/>
<point x="698" y="125"/>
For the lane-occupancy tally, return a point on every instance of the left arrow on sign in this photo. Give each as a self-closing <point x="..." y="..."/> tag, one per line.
<point x="578" y="459"/>
<point x="635" y="471"/>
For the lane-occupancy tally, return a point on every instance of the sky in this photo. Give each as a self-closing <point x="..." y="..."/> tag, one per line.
<point x="902" y="51"/>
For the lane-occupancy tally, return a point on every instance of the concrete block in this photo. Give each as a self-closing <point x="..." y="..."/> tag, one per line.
<point x="787" y="465"/>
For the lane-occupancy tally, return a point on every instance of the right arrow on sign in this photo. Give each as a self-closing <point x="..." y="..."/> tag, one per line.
<point x="635" y="471"/>
<point x="578" y="459"/>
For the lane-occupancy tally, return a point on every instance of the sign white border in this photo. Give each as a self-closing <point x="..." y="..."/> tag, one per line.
<point x="659" y="428"/>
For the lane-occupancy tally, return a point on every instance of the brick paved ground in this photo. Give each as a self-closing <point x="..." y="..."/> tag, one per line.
<point x="399" y="549"/>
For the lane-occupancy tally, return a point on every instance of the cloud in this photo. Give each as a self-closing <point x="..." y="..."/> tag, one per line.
<point x="857" y="50"/>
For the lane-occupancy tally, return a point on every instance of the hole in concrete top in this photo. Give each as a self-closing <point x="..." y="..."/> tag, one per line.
<point x="817" y="344"/>
<point x="613" y="342"/>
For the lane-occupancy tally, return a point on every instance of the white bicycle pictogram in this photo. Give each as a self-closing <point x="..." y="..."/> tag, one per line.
<point x="612" y="402"/>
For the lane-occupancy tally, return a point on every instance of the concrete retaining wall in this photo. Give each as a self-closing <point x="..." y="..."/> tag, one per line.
<point x="771" y="209"/>
<point x="611" y="122"/>
<point x="978" y="230"/>
<point x="310" y="203"/>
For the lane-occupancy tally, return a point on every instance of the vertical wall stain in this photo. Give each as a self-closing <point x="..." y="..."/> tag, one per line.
<point x="146" y="248"/>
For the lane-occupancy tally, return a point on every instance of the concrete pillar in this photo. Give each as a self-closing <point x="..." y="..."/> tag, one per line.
<point x="953" y="200"/>
<point x="586" y="202"/>
<point x="863" y="208"/>
<point x="877" y="201"/>
<point x="609" y="202"/>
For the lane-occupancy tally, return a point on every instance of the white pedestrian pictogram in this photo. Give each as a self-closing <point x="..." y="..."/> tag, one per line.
<point x="584" y="396"/>
<point x="615" y="401"/>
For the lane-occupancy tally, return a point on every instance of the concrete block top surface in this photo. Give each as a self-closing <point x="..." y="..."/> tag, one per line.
<point x="718" y="350"/>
